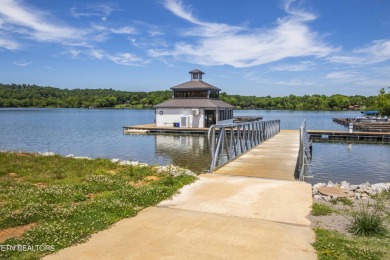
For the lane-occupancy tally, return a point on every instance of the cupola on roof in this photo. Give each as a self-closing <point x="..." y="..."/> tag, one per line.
<point x="196" y="83"/>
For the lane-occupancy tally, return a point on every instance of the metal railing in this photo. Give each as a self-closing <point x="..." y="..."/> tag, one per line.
<point x="305" y="152"/>
<point x="228" y="141"/>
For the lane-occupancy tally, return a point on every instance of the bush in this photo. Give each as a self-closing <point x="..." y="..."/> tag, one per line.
<point x="367" y="222"/>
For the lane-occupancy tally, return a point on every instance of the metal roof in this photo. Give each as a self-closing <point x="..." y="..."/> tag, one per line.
<point x="193" y="103"/>
<point x="196" y="71"/>
<point x="195" y="85"/>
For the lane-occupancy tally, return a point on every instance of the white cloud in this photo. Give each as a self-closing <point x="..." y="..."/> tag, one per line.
<point x="8" y="44"/>
<point x="127" y="59"/>
<point x="100" y="10"/>
<point x="220" y="44"/>
<point x="36" y="24"/>
<point x="342" y="75"/>
<point x="119" y="30"/>
<point x="22" y="63"/>
<point x="350" y="60"/>
<point x="204" y="29"/>
<point x="378" y="51"/>
<point x="124" y="58"/>
<point x="299" y="66"/>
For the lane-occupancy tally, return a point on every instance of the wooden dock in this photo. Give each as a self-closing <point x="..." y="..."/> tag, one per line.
<point x="276" y="158"/>
<point x="344" y="135"/>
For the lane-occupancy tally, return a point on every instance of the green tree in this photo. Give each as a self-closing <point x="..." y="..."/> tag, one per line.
<point x="383" y="102"/>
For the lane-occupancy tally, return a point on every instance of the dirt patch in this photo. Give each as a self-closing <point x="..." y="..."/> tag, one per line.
<point x="151" y="178"/>
<point x="12" y="174"/>
<point x="136" y="184"/>
<point x="112" y="171"/>
<point x="144" y="181"/>
<point x="15" y="232"/>
<point x="40" y="185"/>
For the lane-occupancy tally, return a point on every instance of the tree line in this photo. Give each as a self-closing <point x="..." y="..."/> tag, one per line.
<point x="23" y="95"/>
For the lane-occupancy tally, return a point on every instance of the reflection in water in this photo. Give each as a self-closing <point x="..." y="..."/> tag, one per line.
<point x="349" y="147"/>
<point x="189" y="151"/>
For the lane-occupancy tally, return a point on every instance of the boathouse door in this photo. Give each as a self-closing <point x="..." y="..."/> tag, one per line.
<point x="209" y="118"/>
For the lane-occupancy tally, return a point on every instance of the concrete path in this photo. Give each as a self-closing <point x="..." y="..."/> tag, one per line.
<point x="217" y="217"/>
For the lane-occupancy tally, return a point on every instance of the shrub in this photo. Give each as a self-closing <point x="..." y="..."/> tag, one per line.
<point x="367" y="222"/>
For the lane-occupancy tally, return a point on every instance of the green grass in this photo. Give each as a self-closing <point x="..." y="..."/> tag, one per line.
<point x="318" y="209"/>
<point x="331" y="245"/>
<point x="70" y="199"/>
<point x="344" y="201"/>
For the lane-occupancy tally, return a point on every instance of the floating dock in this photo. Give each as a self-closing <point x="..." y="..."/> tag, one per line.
<point x="365" y="124"/>
<point x="343" y="135"/>
<point x="153" y="129"/>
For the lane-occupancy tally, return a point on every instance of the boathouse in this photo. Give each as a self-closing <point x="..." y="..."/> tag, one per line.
<point x="194" y="104"/>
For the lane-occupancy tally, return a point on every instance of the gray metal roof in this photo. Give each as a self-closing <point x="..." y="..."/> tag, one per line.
<point x="195" y="85"/>
<point x="193" y="103"/>
<point x="196" y="71"/>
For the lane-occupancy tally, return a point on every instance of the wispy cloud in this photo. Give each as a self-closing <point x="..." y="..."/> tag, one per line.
<point x="23" y="21"/>
<point x="220" y="44"/>
<point x="378" y="51"/>
<point x="36" y="24"/>
<point x="375" y="52"/>
<point x="102" y="11"/>
<point x="299" y="66"/>
<point x="204" y="29"/>
<point x="8" y="43"/>
<point x="121" y="58"/>
<point x="22" y="63"/>
<point x="118" y="30"/>
<point x="342" y="75"/>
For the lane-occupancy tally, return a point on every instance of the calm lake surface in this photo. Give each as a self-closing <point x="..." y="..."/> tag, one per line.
<point x="98" y="133"/>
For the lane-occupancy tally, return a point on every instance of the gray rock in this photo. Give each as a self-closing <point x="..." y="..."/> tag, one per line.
<point x="317" y="197"/>
<point x="345" y="185"/>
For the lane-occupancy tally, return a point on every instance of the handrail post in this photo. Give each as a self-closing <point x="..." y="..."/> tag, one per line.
<point x="303" y="156"/>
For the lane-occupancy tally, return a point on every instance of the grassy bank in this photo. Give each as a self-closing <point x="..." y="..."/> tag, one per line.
<point x="58" y="202"/>
<point x="350" y="229"/>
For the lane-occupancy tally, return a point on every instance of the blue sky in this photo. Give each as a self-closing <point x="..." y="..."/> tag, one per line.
<point x="246" y="47"/>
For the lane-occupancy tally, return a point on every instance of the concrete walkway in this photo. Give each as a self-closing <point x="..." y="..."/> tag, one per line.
<point x="217" y="217"/>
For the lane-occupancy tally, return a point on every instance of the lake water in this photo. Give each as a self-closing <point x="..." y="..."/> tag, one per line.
<point x="98" y="133"/>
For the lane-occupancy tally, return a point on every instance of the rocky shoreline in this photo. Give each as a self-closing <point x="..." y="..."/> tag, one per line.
<point x="171" y="169"/>
<point x="364" y="191"/>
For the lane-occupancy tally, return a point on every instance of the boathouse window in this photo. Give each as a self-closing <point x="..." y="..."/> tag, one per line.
<point x="190" y="94"/>
<point x="214" y="94"/>
<point x="225" y="114"/>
